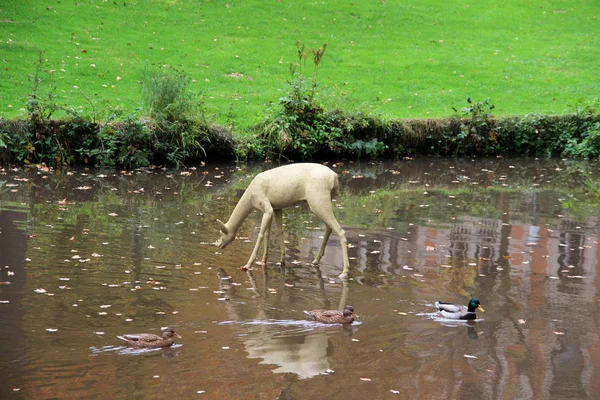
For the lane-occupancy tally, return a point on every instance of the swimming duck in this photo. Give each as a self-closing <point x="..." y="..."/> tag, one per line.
<point x="150" y="340"/>
<point x="456" y="311"/>
<point x="333" y="316"/>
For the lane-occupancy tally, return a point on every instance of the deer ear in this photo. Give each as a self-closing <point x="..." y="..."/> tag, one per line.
<point x="222" y="227"/>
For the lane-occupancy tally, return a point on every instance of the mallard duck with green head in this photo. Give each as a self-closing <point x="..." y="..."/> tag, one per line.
<point x="457" y="311"/>
<point x="150" y="340"/>
<point x="333" y="316"/>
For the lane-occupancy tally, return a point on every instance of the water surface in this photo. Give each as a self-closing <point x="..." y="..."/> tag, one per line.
<point x="86" y="255"/>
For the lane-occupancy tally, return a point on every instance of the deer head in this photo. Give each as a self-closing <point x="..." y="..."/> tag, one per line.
<point x="227" y="235"/>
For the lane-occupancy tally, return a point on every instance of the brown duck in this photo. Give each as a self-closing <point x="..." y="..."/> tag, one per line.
<point x="150" y="340"/>
<point x="333" y="316"/>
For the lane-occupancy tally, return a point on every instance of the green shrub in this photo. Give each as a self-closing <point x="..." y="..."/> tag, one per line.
<point x="477" y="133"/>
<point x="179" y="120"/>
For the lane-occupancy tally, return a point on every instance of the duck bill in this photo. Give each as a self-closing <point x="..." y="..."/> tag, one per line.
<point x="178" y="336"/>
<point x="356" y="316"/>
<point x="480" y="308"/>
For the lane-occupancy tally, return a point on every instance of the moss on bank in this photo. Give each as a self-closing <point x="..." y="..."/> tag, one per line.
<point x="328" y="135"/>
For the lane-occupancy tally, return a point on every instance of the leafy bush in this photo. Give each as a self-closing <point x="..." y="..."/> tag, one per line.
<point x="178" y="116"/>
<point x="477" y="134"/>
<point x="588" y="147"/>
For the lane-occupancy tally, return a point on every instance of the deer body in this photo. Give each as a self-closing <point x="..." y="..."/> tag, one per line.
<point x="282" y="187"/>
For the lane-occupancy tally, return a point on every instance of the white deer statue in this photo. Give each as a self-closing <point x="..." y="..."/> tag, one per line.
<point x="281" y="187"/>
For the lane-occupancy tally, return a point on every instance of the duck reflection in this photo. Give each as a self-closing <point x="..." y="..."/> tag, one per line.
<point x="472" y="332"/>
<point x="298" y="346"/>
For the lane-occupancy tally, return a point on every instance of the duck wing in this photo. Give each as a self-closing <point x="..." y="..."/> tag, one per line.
<point x="458" y="315"/>
<point x="329" y="316"/>
<point x="141" y="338"/>
<point x="450" y="307"/>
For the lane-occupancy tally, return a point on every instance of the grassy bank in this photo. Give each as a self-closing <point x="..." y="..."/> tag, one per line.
<point x="323" y="134"/>
<point x="415" y="59"/>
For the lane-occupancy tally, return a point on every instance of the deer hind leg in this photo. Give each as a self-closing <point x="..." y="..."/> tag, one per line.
<point x="279" y="222"/>
<point x="266" y="243"/>
<point x="317" y="259"/>
<point x="321" y="206"/>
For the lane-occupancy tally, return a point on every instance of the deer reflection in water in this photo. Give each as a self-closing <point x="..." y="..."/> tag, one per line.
<point x="295" y="346"/>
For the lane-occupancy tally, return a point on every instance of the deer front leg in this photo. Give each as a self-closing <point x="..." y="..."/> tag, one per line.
<point x="266" y="221"/>
<point x="279" y="222"/>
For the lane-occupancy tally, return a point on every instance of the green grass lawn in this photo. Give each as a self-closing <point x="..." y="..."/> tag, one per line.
<point x="404" y="59"/>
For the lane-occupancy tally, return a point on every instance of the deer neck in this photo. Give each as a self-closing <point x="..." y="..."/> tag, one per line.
<point x="240" y="213"/>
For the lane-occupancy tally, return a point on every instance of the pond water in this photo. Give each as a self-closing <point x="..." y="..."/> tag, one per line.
<point x="86" y="255"/>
